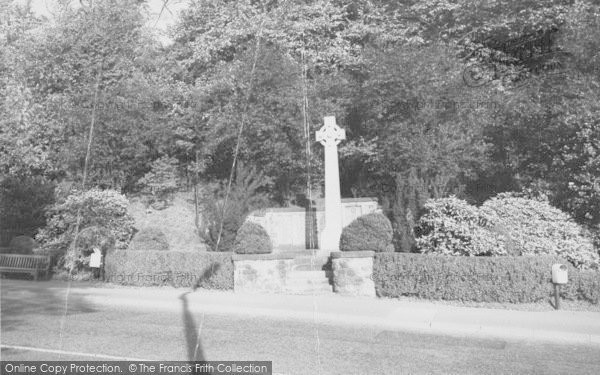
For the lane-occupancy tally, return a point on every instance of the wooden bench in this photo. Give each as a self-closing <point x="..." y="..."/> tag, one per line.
<point x="18" y="263"/>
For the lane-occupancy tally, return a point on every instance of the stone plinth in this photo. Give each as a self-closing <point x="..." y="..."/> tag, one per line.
<point x="264" y="273"/>
<point x="289" y="227"/>
<point x="353" y="273"/>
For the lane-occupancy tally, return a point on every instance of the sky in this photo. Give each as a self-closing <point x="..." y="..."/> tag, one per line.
<point x="158" y="21"/>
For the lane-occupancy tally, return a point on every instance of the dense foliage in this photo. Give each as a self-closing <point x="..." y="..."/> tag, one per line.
<point x="533" y="226"/>
<point x="22" y="245"/>
<point x="451" y="226"/>
<point x="370" y="232"/>
<point x="225" y="213"/>
<point x="438" y="97"/>
<point x="23" y="201"/>
<point x="252" y="238"/>
<point x="105" y="209"/>
<point x="522" y="279"/>
<point x="161" y="182"/>
<point x="504" y="225"/>
<point x="95" y="237"/>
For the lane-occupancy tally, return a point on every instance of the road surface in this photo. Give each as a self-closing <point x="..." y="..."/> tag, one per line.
<point x="35" y="327"/>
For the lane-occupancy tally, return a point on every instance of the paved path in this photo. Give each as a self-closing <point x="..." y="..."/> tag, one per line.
<point x="566" y="327"/>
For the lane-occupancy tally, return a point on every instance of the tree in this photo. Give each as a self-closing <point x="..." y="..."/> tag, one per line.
<point x="26" y="131"/>
<point x="225" y="210"/>
<point x="91" y="65"/>
<point x="577" y="188"/>
<point x="257" y="63"/>
<point x="428" y="132"/>
<point x="543" y="137"/>
<point x="161" y="182"/>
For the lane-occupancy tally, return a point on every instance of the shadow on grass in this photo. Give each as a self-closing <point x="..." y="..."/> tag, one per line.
<point x="190" y="329"/>
<point x="21" y="299"/>
<point x="552" y="302"/>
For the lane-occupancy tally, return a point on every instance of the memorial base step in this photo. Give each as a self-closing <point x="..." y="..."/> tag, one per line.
<point x="309" y="282"/>
<point x="312" y="263"/>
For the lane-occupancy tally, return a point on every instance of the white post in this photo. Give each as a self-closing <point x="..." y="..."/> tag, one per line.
<point x="330" y="135"/>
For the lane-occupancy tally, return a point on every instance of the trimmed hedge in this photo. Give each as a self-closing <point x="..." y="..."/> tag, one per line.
<point x="370" y="232"/>
<point x="252" y="238"/>
<point x="521" y="279"/>
<point x="170" y="268"/>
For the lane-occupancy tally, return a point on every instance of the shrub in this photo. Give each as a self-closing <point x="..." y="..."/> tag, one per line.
<point x="252" y="238"/>
<point x="368" y="232"/>
<point x="233" y="219"/>
<point x="174" y="268"/>
<point x="245" y="196"/>
<point x="88" y="239"/>
<point x="100" y="208"/>
<point x="410" y="195"/>
<point x="535" y="227"/>
<point x="504" y="225"/>
<point x="583" y="285"/>
<point x="22" y="245"/>
<point x="95" y="236"/>
<point x="150" y="239"/>
<point x="451" y="226"/>
<point x="161" y="182"/>
<point x="521" y="279"/>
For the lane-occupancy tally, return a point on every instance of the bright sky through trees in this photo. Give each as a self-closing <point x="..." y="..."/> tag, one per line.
<point x="160" y="16"/>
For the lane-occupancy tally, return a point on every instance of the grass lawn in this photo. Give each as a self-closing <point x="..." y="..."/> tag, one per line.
<point x="547" y="305"/>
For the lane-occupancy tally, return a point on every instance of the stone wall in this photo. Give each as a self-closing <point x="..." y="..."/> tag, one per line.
<point x="264" y="273"/>
<point x="271" y="273"/>
<point x="353" y="273"/>
<point x="289" y="227"/>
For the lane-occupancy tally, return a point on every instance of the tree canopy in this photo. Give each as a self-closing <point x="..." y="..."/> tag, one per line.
<point x="438" y="97"/>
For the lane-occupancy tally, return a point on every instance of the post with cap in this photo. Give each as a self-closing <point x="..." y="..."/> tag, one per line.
<point x="559" y="277"/>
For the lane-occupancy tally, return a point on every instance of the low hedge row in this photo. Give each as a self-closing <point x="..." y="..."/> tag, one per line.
<point x="174" y="268"/>
<point x="519" y="279"/>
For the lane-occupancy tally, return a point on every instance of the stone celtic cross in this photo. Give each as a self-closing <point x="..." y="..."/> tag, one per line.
<point x="330" y="135"/>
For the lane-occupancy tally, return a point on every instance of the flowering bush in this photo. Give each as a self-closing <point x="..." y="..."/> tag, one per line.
<point x="533" y="227"/>
<point x="106" y="209"/>
<point x="451" y="226"/>
<point x="505" y="225"/>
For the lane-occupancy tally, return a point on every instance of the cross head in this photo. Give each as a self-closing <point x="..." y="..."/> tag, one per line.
<point x="330" y="134"/>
